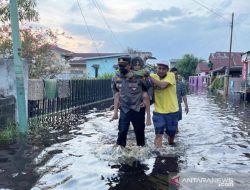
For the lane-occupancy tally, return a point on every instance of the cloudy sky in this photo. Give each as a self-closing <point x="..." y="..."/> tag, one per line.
<point x="167" y="28"/>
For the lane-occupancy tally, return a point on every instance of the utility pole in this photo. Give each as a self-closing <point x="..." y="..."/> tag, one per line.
<point x="16" y="46"/>
<point x="230" y="57"/>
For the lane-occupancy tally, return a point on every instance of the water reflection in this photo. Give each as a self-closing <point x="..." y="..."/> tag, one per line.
<point x="213" y="141"/>
<point x="16" y="166"/>
<point x="225" y="123"/>
<point x="164" y="170"/>
<point x="20" y="159"/>
<point x="134" y="177"/>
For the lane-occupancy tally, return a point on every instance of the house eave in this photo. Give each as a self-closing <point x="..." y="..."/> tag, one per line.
<point x="106" y="56"/>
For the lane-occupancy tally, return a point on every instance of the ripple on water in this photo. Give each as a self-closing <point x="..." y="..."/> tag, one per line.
<point x="210" y="143"/>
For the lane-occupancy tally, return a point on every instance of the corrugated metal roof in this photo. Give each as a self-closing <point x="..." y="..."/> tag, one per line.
<point x="81" y="58"/>
<point x="221" y="59"/>
<point x="202" y="67"/>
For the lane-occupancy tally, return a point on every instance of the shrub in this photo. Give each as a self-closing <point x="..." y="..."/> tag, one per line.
<point x="105" y="76"/>
<point x="9" y="133"/>
<point x="217" y="84"/>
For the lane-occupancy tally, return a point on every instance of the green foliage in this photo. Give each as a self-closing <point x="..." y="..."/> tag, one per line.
<point x="36" y="48"/>
<point x="210" y="65"/>
<point x="187" y="65"/>
<point x="36" y="126"/>
<point x="36" y="44"/>
<point x="9" y="133"/>
<point x="217" y="84"/>
<point x="105" y="76"/>
<point x="26" y="11"/>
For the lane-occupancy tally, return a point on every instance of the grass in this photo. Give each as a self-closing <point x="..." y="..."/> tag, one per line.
<point x="10" y="132"/>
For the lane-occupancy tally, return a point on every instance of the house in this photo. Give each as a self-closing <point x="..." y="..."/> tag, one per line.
<point x="84" y="65"/>
<point x="60" y="53"/>
<point x="245" y="84"/>
<point x="61" y="57"/>
<point x="245" y="59"/>
<point x="202" y="68"/>
<point x="92" y="65"/>
<point x="172" y="63"/>
<point x="220" y="62"/>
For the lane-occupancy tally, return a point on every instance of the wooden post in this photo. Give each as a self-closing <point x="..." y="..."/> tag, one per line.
<point x="229" y="61"/>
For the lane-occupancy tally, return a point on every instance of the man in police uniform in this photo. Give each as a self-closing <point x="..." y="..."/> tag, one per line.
<point x="130" y="91"/>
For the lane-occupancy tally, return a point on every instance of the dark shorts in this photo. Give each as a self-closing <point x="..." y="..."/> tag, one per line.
<point x="167" y="122"/>
<point x="180" y="113"/>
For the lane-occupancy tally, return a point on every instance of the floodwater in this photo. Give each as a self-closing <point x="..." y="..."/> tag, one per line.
<point x="212" y="151"/>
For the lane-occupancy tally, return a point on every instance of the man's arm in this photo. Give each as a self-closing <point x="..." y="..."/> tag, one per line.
<point x="159" y="84"/>
<point x="185" y="103"/>
<point x="164" y="83"/>
<point x="184" y="97"/>
<point x="113" y="86"/>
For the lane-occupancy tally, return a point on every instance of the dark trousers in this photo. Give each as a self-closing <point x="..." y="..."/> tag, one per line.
<point x="138" y="121"/>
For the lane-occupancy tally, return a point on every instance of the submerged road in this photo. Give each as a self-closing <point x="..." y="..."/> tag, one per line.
<point x="212" y="151"/>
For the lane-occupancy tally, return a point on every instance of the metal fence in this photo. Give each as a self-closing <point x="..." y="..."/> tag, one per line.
<point x="82" y="92"/>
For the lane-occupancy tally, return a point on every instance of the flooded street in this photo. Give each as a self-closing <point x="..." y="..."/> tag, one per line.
<point x="212" y="151"/>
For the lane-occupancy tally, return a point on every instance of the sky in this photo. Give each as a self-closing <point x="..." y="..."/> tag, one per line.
<point x="167" y="28"/>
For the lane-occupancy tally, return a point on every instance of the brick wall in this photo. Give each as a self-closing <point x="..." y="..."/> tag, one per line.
<point x="7" y="110"/>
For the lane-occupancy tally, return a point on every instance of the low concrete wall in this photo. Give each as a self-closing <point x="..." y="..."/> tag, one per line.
<point x="7" y="110"/>
<point x="8" y="79"/>
<point x="234" y="85"/>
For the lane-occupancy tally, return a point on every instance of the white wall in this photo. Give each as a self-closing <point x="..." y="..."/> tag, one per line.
<point x="8" y="79"/>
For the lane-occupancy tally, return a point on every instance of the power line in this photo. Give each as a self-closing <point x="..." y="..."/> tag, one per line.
<point x="211" y="10"/>
<point x="87" y="26"/>
<point x="107" y="24"/>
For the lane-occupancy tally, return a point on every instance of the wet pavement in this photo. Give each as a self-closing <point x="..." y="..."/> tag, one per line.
<point x="212" y="151"/>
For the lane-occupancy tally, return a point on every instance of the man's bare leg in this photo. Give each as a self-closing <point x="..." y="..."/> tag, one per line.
<point x="171" y="140"/>
<point x="146" y="102"/>
<point x="158" y="141"/>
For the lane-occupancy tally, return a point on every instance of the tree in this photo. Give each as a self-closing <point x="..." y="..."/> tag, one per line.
<point x="26" y="11"/>
<point x="35" y="43"/>
<point x="36" y="48"/>
<point x="186" y="65"/>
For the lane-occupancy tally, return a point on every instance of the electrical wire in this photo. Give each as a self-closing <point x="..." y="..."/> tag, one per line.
<point x="92" y="38"/>
<point x="106" y="23"/>
<point x="214" y="12"/>
<point x="211" y="10"/>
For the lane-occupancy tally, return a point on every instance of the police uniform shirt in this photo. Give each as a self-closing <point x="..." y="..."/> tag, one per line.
<point x="130" y="92"/>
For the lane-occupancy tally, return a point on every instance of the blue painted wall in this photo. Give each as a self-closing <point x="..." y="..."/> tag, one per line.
<point x="105" y="66"/>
